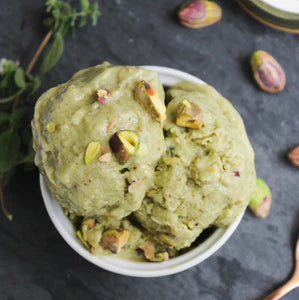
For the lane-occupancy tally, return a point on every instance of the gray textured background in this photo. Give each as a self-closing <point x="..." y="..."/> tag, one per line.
<point x="35" y="263"/>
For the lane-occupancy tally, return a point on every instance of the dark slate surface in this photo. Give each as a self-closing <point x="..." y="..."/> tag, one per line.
<point x="35" y="263"/>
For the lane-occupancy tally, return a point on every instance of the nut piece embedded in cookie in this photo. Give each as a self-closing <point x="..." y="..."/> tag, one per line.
<point x="114" y="239"/>
<point x="105" y="158"/>
<point x="135" y="185"/>
<point x="51" y="127"/>
<point x="148" y="249"/>
<point x="91" y="152"/>
<point x="84" y="242"/>
<point x="160" y="256"/>
<point x="189" y="115"/>
<point x="103" y="95"/>
<point x="124" y="143"/>
<point x="150" y="100"/>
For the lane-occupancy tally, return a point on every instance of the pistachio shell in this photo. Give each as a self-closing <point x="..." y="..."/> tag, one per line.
<point x="91" y="152"/>
<point x="85" y="243"/>
<point x="267" y="72"/>
<point x="294" y="156"/>
<point x="261" y="199"/>
<point x="199" y="13"/>
<point x="124" y="144"/>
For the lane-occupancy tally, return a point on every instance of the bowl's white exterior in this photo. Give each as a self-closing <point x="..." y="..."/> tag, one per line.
<point x="140" y="269"/>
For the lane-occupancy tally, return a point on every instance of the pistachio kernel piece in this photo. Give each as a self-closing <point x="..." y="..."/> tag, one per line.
<point x="261" y="199"/>
<point x="148" y="249"/>
<point x="115" y="239"/>
<point x="150" y="100"/>
<point x="89" y="223"/>
<point x="103" y="95"/>
<point x="135" y="186"/>
<point x="199" y="13"/>
<point x="124" y="144"/>
<point x="85" y="243"/>
<point x="267" y="72"/>
<point x="51" y="127"/>
<point x="91" y="152"/>
<point x="106" y="158"/>
<point x="189" y="115"/>
<point x="160" y="256"/>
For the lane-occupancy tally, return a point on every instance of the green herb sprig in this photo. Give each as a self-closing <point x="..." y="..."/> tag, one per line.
<point x="16" y="84"/>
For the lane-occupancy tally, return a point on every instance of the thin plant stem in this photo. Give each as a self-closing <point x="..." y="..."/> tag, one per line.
<point x="39" y="51"/>
<point x="4" y="209"/>
<point x="33" y="61"/>
<point x="37" y="55"/>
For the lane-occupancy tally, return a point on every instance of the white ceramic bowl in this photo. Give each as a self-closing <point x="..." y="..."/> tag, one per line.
<point x="140" y="269"/>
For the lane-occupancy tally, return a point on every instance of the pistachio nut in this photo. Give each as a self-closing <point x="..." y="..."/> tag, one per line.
<point x="261" y="199"/>
<point x="91" y="152"/>
<point x="267" y="72"/>
<point x="189" y="115"/>
<point x="51" y="127"/>
<point x="199" y="13"/>
<point x="150" y="100"/>
<point x="115" y="239"/>
<point x="124" y="143"/>
<point x="294" y="156"/>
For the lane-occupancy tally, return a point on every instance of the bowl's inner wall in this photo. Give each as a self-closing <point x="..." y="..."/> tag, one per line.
<point x="211" y="243"/>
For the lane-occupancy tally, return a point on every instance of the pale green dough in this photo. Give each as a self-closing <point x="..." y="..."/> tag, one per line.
<point x="188" y="179"/>
<point x="196" y="183"/>
<point x="100" y="188"/>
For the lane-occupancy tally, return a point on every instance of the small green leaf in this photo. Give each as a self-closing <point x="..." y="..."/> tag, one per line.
<point x="9" y="66"/>
<point x="8" y="176"/>
<point x="5" y="82"/>
<point x="84" y="5"/>
<point x="10" y="145"/>
<point x="4" y="117"/>
<point x="20" y="78"/>
<point x="12" y="97"/>
<point x="50" y="4"/>
<point x="35" y="84"/>
<point x="82" y="21"/>
<point x="49" y="22"/>
<point x="95" y="13"/>
<point x="63" y="28"/>
<point x="16" y="118"/>
<point x="53" y="54"/>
